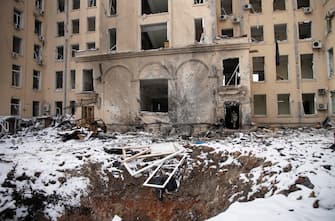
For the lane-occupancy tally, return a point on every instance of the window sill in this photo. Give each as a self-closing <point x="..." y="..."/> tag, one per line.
<point x="59" y="60"/>
<point x="154" y="14"/>
<point x="91" y="7"/>
<point x="36" y="90"/>
<point x="310" y="115"/>
<point x="308" y="79"/>
<point x="259" y="82"/>
<point x="16" y="87"/>
<point x="59" y="90"/>
<point x="305" y="39"/>
<point x="283" y="81"/>
<point x="284" y="116"/>
<point x="257" y="42"/>
<point x="113" y="15"/>
<point x="260" y="116"/>
<point x="200" y="4"/>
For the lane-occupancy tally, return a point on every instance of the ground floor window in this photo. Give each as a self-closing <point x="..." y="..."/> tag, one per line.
<point x="36" y="108"/>
<point x="308" y="102"/>
<point x="58" y="108"/>
<point x="15" y="106"/>
<point x="154" y="95"/>
<point x="260" y="104"/>
<point x="87" y="113"/>
<point x="333" y="102"/>
<point x="73" y="107"/>
<point x="283" y="104"/>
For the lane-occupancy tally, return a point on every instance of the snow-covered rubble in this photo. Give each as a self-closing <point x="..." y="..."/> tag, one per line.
<point x="39" y="164"/>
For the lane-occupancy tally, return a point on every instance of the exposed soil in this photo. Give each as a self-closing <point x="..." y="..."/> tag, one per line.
<point x="205" y="191"/>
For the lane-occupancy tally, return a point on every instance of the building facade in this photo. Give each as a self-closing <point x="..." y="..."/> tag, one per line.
<point x="171" y="62"/>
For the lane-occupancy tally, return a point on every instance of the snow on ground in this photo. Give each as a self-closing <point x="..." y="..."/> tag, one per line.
<point x="53" y="169"/>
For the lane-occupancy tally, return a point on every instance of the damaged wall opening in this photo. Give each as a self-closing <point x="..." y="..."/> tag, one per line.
<point x="226" y="7"/>
<point x="198" y="29"/>
<point x="231" y="71"/>
<point x="154" y="95"/>
<point x="308" y="102"/>
<point x="257" y="34"/>
<point x="227" y="33"/>
<point x="258" y="69"/>
<point x="232" y="115"/>
<point x="282" y="68"/>
<point x="260" y="104"/>
<point x="153" y="36"/>
<point x="306" y="65"/>
<point x="283" y="102"/>
<point x="154" y="6"/>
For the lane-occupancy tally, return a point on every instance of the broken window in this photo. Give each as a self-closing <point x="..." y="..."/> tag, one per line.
<point x="58" y="108"/>
<point x="303" y="3"/>
<point x="36" y="80"/>
<point x="90" y="45"/>
<point x="154" y="95"/>
<point x="39" y="4"/>
<point x="231" y="71"/>
<point x="18" y="19"/>
<point x="257" y="34"/>
<point x="258" y="69"/>
<point x="112" y="7"/>
<point x="73" y="79"/>
<point x="74" y="49"/>
<point x="72" y="107"/>
<point x="60" y="5"/>
<point x="308" y="102"/>
<point x="59" y="52"/>
<point x="38" y="27"/>
<point x="227" y="33"/>
<point x="196" y="2"/>
<point x="16" y="75"/>
<point x="283" y="104"/>
<point x="256" y="6"/>
<point x="306" y="66"/>
<point x="282" y="68"/>
<point x="88" y="80"/>
<point x="153" y="7"/>
<point x="112" y="39"/>
<point x="36" y="108"/>
<point x="232" y="115"/>
<point x="15" y="106"/>
<point x="226" y="7"/>
<point x="75" y="26"/>
<point x="330" y="58"/>
<point x="280" y="32"/>
<point x="305" y="30"/>
<point x="91" y="24"/>
<point x="91" y="3"/>
<point x="260" y="104"/>
<point x="279" y="5"/>
<point x="59" y="80"/>
<point x="37" y="52"/>
<point x="153" y="36"/>
<point x="60" y="29"/>
<point x="332" y="97"/>
<point x="75" y="4"/>
<point x="17" y="47"/>
<point x="199" y="29"/>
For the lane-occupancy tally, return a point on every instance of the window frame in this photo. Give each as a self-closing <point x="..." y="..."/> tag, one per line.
<point x="16" y="76"/>
<point x="16" y="106"/>
<point x="36" y="77"/>
<point x="288" y="103"/>
<point x="59" y="85"/>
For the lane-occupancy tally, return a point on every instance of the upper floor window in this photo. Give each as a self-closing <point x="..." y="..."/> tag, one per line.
<point x="90" y="45"/>
<point x="15" y="106"/>
<point x="36" y="80"/>
<point x="280" y="32"/>
<point x="17" y="45"/>
<point x="59" y="52"/>
<point x="60" y="29"/>
<point x="91" y="3"/>
<point x="258" y="69"/>
<point x="75" y="26"/>
<point x="88" y="80"/>
<point x="60" y="5"/>
<point x="59" y="80"/>
<point x="112" y="39"/>
<point x="91" y="24"/>
<point x="279" y="5"/>
<point x="282" y="68"/>
<point x="303" y="3"/>
<point x="112" y="7"/>
<point x="37" y="52"/>
<point x="257" y="34"/>
<point x="231" y="71"/>
<point x="306" y="66"/>
<point x="73" y="79"/>
<point x="39" y="4"/>
<point x="75" y="4"/>
<point x="199" y="29"/>
<point x="38" y="27"/>
<point x="226" y="7"/>
<point x="153" y="36"/>
<point x="227" y="33"/>
<point x="196" y="2"/>
<point x="256" y="6"/>
<point x="153" y="7"/>
<point x="330" y="58"/>
<point x="18" y="19"/>
<point x="305" y="30"/>
<point x="74" y="49"/>
<point x="16" y="75"/>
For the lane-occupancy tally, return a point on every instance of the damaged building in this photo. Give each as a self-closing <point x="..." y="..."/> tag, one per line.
<point x="171" y="63"/>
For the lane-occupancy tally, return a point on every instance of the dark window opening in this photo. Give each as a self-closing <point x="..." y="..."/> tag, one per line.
<point x="308" y="103"/>
<point x="87" y="113"/>
<point x="61" y="5"/>
<point x="36" y="108"/>
<point x="60" y="29"/>
<point x="38" y="4"/>
<point x="74" y="49"/>
<point x="257" y="34"/>
<point x="153" y="36"/>
<point x="18" y="20"/>
<point x="226" y="7"/>
<point x="198" y="29"/>
<point x="154" y="95"/>
<point x="282" y="68"/>
<point x="231" y="71"/>
<point x="75" y="4"/>
<point x="72" y="107"/>
<point x="112" y="7"/>
<point x="112" y="39"/>
<point x="153" y="7"/>
<point x="306" y="66"/>
<point x="16" y="75"/>
<point x="232" y="116"/>
<point x="17" y="45"/>
<point x="91" y="24"/>
<point x="279" y="5"/>
<point x="258" y="69"/>
<point x="58" y="108"/>
<point x="260" y="104"/>
<point x="15" y="106"/>
<point x="38" y="27"/>
<point x="303" y="3"/>
<point x="305" y="30"/>
<point x="75" y="26"/>
<point x="73" y="79"/>
<point x="60" y="53"/>
<point x="59" y="80"/>
<point x="36" y="80"/>
<point x="37" y="52"/>
<point x="227" y="33"/>
<point x="88" y="80"/>
<point x="90" y="46"/>
<point x="280" y="32"/>
<point x="283" y="104"/>
<point x="256" y="6"/>
<point x="91" y="3"/>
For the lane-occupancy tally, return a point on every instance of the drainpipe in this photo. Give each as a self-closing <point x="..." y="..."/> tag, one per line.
<point x="66" y="35"/>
